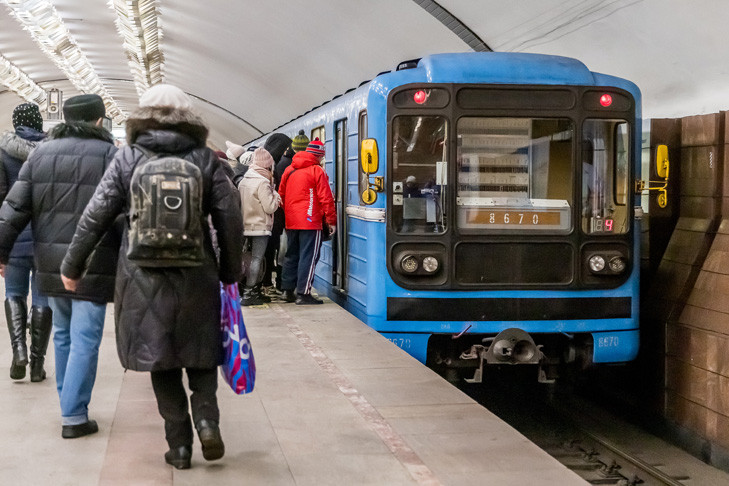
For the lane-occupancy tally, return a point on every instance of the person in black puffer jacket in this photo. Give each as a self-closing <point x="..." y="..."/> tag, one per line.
<point x="20" y="274"/>
<point x="52" y="190"/>
<point x="168" y="319"/>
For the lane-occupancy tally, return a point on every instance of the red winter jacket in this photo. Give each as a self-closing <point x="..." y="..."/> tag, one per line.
<point x="305" y="194"/>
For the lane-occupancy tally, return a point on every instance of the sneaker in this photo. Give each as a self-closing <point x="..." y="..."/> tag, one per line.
<point x="76" y="431"/>
<point x="307" y="299"/>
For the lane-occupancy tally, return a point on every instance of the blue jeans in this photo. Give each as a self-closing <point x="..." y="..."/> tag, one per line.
<point x="19" y="275"/>
<point x="77" y="329"/>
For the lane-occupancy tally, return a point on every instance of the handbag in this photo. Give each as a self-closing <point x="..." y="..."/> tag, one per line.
<point x="239" y="366"/>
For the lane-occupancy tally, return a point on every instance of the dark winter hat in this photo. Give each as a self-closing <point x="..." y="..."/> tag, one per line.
<point x="28" y="115"/>
<point x="316" y="147"/>
<point x="276" y="145"/>
<point x="86" y="107"/>
<point x="300" y="142"/>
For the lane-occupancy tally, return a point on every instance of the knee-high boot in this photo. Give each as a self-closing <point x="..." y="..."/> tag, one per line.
<point x="16" y="313"/>
<point x="40" y="332"/>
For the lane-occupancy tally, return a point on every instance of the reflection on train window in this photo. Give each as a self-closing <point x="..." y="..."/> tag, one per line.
<point x="419" y="174"/>
<point x="605" y="165"/>
<point x="515" y="174"/>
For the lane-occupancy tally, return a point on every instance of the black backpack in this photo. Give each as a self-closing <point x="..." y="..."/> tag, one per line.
<point x="165" y="212"/>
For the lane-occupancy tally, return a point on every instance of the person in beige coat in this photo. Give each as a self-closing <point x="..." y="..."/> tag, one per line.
<point x="259" y="201"/>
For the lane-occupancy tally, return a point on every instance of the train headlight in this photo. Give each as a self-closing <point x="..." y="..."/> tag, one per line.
<point x="617" y="264"/>
<point x="409" y="264"/>
<point x="597" y="263"/>
<point x="430" y="264"/>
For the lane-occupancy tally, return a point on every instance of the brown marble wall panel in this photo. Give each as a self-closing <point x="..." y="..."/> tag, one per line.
<point x="700" y="171"/>
<point x="698" y="348"/>
<point x="701" y="129"/>
<point x="700" y="207"/>
<point x="689" y="414"/>
<point x="687" y="246"/>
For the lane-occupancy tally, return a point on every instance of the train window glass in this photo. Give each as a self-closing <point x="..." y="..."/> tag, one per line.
<point x="515" y="174"/>
<point x="361" y="135"/>
<point x="419" y="174"/>
<point x="605" y="176"/>
<point x="319" y="133"/>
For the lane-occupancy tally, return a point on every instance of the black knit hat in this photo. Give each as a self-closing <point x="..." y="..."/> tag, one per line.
<point x="276" y="145"/>
<point x="86" y="107"/>
<point x="28" y="115"/>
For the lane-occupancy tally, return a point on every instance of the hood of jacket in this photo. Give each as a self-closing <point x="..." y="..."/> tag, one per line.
<point x="183" y="122"/>
<point x="16" y="146"/>
<point x="304" y="159"/>
<point x="80" y="130"/>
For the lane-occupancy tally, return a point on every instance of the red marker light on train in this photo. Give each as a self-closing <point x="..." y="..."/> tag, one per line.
<point x="606" y="100"/>
<point x="419" y="97"/>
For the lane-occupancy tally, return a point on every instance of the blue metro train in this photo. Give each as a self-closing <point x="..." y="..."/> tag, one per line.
<point x="487" y="211"/>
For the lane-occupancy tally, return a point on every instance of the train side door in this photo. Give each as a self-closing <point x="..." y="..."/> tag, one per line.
<point x="339" y="242"/>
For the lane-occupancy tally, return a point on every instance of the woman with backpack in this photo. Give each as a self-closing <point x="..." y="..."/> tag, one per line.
<point x="168" y="316"/>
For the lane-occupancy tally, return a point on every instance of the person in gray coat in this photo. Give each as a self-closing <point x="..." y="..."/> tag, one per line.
<point x="168" y="319"/>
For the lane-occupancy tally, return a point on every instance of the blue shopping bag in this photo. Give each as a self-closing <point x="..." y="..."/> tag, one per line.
<point x="239" y="367"/>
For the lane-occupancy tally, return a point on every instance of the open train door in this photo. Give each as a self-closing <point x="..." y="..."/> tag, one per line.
<point x="339" y="242"/>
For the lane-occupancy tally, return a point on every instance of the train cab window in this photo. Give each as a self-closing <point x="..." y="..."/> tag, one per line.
<point x="515" y="174"/>
<point x="419" y="174"/>
<point x="319" y="133"/>
<point x="605" y="176"/>
<point x="361" y="135"/>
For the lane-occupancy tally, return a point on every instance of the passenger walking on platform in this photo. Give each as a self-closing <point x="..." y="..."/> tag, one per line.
<point x="20" y="273"/>
<point x="307" y="201"/>
<point x="51" y="192"/>
<point x="277" y="144"/>
<point x="259" y="201"/>
<point x="168" y="318"/>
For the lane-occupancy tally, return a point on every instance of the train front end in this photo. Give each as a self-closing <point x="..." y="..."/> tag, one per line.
<point x="512" y="219"/>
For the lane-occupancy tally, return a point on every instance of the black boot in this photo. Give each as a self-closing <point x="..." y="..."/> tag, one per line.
<point x="40" y="332"/>
<point x="16" y="313"/>
<point x="212" y="444"/>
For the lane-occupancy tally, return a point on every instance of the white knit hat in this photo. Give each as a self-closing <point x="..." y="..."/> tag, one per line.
<point x="234" y="150"/>
<point x="167" y="96"/>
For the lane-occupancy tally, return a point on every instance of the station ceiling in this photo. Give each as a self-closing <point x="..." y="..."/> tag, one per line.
<point x="251" y="65"/>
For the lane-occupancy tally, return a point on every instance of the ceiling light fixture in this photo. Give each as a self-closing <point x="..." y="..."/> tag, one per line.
<point x="40" y="18"/>
<point x="19" y="82"/>
<point x="138" y="23"/>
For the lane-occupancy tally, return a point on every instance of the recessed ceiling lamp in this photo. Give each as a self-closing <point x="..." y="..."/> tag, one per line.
<point x="19" y="82"/>
<point x="138" y="23"/>
<point x="39" y="17"/>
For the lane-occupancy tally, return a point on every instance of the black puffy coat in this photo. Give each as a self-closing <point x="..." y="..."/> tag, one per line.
<point x="52" y="190"/>
<point x="166" y="318"/>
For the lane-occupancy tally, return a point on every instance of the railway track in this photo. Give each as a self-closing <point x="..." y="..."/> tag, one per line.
<point x="600" y="448"/>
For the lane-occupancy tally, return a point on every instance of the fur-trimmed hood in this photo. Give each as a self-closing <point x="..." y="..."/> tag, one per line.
<point x="156" y="118"/>
<point x="16" y="146"/>
<point x="80" y="130"/>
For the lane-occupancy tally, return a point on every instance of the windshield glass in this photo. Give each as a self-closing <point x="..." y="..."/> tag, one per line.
<point x="605" y="165"/>
<point x="515" y="174"/>
<point x="419" y="172"/>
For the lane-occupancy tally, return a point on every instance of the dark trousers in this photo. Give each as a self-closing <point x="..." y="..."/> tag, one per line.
<point x="302" y="255"/>
<point x="172" y="401"/>
<point x="274" y="243"/>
